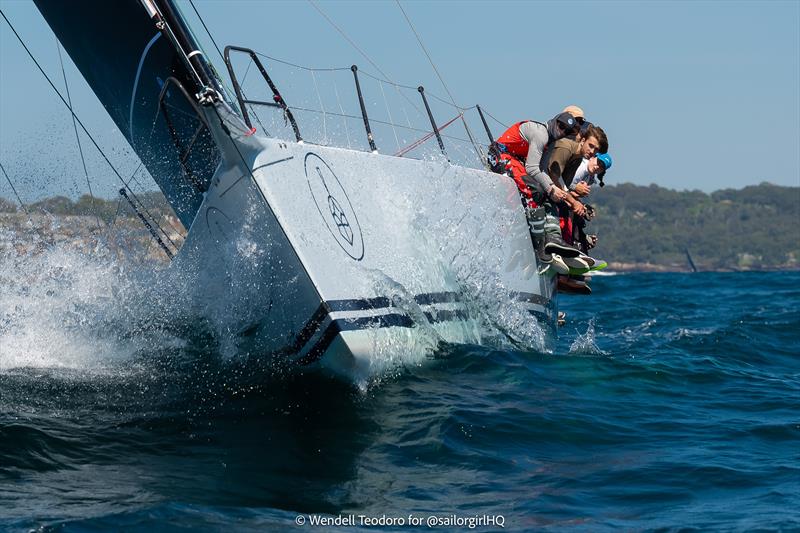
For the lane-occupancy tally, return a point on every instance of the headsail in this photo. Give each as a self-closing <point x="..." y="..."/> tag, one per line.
<point x="133" y="66"/>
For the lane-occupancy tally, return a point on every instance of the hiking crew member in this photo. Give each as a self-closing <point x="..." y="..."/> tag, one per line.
<point x="561" y="162"/>
<point x="564" y="154"/>
<point x="589" y="171"/>
<point x="518" y="153"/>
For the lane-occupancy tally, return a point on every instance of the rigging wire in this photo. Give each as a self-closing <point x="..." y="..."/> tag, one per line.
<point x="58" y="93"/>
<point x="222" y="56"/>
<point x="241" y="88"/>
<point x="389" y="112"/>
<point x="334" y="69"/>
<point x="14" y="190"/>
<point x="441" y="79"/>
<point x="114" y="220"/>
<point x="360" y="51"/>
<point x="75" y="117"/>
<point x="207" y="30"/>
<point x="344" y="120"/>
<point x="301" y="67"/>
<point x="324" y="114"/>
<point x="343" y="34"/>
<point x="386" y="123"/>
<point x="492" y="117"/>
<point x="77" y="136"/>
<point x="418" y="142"/>
<point x="21" y="203"/>
<point x="425" y="50"/>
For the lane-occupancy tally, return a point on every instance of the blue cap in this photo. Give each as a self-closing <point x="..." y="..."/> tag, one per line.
<point x="605" y="159"/>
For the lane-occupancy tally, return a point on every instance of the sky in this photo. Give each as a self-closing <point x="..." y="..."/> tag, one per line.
<point x="693" y="95"/>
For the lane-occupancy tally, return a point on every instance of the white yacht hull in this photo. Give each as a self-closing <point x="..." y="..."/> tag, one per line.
<point x="309" y="254"/>
<point x="340" y="259"/>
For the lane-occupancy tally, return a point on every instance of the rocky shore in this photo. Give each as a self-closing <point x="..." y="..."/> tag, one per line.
<point x="22" y="234"/>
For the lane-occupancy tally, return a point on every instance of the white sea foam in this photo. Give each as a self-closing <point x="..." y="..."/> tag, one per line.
<point x="586" y="343"/>
<point x="66" y="308"/>
<point x="471" y="264"/>
<point x="53" y="310"/>
<point x="681" y="333"/>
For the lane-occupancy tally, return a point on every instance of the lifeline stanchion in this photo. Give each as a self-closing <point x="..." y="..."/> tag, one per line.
<point x="278" y="100"/>
<point x="371" y="140"/>
<point x="485" y="125"/>
<point x="421" y="90"/>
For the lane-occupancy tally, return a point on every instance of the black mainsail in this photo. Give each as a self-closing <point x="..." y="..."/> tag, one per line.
<point x="137" y="66"/>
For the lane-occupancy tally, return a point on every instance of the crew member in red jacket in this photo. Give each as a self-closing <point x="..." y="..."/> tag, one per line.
<point x="518" y="153"/>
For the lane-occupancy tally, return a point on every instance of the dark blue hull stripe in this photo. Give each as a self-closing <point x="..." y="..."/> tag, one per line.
<point x="311" y="327"/>
<point x="379" y="302"/>
<point x="382" y="302"/>
<point x="338" y="325"/>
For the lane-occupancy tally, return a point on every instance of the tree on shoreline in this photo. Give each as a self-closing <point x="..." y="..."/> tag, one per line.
<point x="750" y="228"/>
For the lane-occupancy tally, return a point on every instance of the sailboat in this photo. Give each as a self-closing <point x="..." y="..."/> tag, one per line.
<point x="341" y="269"/>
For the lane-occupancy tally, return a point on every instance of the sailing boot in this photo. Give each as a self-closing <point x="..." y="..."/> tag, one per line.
<point x="554" y="244"/>
<point x="536" y="216"/>
<point x="580" y="264"/>
<point x="536" y="222"/>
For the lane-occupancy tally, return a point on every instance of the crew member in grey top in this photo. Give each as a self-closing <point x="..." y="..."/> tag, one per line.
<point x="539" y="136"/>
<point x="520" y="150"/>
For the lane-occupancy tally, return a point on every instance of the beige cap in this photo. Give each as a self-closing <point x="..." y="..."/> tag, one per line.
<point x="575" y="111"/>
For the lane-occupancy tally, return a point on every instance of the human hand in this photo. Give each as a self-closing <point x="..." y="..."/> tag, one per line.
<point x="557" y="194"/>
<point x="582" y="189"/>
<point x="578" y="208"/>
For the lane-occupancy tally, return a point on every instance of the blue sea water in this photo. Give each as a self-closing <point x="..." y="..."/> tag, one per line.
<point x="672" y="401"/>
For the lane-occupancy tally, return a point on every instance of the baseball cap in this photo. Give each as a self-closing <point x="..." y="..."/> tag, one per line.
<point x="567" y="122"/>
<point x="605" y="159"/>
<point x="575" y="111"/>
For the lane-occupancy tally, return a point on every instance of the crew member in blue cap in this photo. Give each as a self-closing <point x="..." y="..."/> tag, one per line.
<point x="591" y="170"/>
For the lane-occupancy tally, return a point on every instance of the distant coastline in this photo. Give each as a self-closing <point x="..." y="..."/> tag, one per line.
<point x="641" y="229"/>
<point x="650" y="267"/>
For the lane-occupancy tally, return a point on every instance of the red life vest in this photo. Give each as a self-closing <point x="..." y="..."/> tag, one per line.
<point x="515" y="144"/>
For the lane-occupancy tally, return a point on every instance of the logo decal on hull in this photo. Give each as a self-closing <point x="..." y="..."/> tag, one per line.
<point x="334" y="206"/>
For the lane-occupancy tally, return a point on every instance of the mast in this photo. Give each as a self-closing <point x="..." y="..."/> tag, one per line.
<point x="174" y="28"/>
<point x="689" y="260"/>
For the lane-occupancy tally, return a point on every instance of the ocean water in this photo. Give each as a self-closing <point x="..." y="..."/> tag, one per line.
<point x="672" y="401"/>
